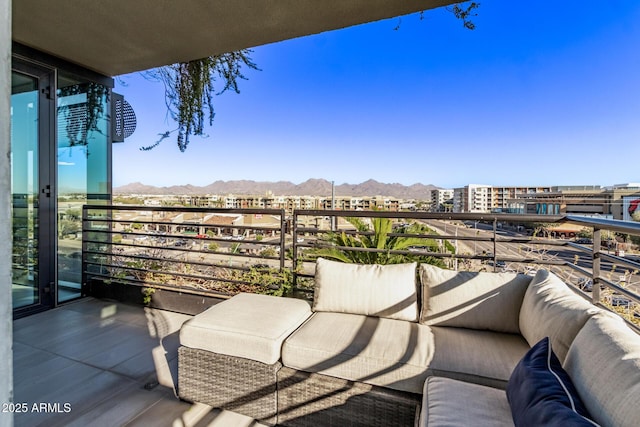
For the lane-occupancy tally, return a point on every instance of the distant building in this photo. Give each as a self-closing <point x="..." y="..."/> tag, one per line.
<point x="590" y="200"/>
<point x="616" y="202"/>
<point x="291" y="203"/>
<point x="473" y="198"/>
<point x="442" y="200"/>
<point x="624" y="201"/>
<point x="505" y="199"/>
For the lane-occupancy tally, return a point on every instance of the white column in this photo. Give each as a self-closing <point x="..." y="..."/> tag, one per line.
<point x="6" y="316"/>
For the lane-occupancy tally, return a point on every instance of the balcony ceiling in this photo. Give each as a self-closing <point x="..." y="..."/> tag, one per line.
<point x="116" y="37"/>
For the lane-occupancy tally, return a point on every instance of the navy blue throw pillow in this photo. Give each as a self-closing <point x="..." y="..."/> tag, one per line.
<point x="541" y="393"/>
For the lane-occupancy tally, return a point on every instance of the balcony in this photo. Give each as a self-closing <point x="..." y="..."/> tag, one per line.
<point x="114" y="363"/>
<point x="103" y="363"/>
<point x="164" y="254"/>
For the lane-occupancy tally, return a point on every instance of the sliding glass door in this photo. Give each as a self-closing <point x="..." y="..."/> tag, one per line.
<point x="60" y="161"/>
<point x="31" y="178"/>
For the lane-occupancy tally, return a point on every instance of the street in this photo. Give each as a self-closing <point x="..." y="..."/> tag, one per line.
<point x="508" y="252"/>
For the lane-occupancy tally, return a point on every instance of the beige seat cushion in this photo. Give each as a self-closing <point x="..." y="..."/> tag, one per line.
<point x="551" y="309"/>
<point x="373" y="350"/>
<point x="373" y="290"/>
<point x="481" y="357"/>
<point x="448" y="402"/>
<point x="471" y="300"/>
<point x="604" y="365"/>
<point x="248" y="325"/>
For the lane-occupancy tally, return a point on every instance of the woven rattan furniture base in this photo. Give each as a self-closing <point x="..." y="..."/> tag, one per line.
<point x="309" y="399"/>
<point x="240" y="385"/>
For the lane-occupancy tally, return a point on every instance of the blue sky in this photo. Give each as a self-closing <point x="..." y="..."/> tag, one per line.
<point x="541" y="93"/>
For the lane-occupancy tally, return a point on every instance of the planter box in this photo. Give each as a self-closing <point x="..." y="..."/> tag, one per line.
<point x="163" y="299"/>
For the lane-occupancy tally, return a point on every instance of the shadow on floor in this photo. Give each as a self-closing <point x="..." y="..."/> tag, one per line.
<point x="104" y="363"/>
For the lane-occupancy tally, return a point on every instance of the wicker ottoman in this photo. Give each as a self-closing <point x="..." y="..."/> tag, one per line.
<point x="229" y="355"/>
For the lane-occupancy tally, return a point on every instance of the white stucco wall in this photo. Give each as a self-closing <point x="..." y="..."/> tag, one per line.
<point x="6" y="336"/>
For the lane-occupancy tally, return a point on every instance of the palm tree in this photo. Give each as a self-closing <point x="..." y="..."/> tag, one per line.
<point x="380" y="241"/>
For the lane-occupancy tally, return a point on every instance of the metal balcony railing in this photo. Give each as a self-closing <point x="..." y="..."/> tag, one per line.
<point x="195" y="250"/>
<point x="220" y="252"/>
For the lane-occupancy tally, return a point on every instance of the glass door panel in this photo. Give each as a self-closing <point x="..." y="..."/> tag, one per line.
<point x="25" y="189"/>
<point x="83" y="174"/>
<point x="60" y="160"/>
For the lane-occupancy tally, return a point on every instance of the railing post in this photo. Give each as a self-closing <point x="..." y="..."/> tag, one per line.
<point x="495" y="253"/>
<point x="283" y="229"/>
<point x="294" y="250"/>
<point x="596" y="266"/>
<point x="455" y="261"/>
<point x="83" y="258"/>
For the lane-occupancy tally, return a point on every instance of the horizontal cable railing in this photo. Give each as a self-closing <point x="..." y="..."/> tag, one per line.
<point x="221" y="252"/>
<point x="483" y="242"/>
<point x="215" y="252"/>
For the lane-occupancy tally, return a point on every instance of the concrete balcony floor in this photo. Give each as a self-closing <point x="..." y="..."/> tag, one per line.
<point x="112" y="364"/>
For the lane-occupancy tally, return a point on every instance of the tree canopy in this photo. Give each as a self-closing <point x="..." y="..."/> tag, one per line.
<point x="378" y="245"/>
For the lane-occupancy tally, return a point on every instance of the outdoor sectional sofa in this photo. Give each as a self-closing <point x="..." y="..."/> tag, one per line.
<point x="402" y="344"/>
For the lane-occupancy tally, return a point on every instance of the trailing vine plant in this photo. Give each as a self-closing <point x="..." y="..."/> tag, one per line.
<point x="189" y="86"/>
<point x="189" y="90"/>
<point x="83" y="118"/>
<point x="465" y="13"/>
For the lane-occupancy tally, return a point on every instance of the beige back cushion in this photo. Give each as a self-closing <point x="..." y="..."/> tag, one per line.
<point x="489" y="301"/>
<point x="551" y="309"/>
<point x="604" y="365"/>
<point x="373" y="290"/>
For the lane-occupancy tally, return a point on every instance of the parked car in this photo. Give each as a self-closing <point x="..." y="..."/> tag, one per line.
<point x="584" y="241"/>
<point x="499" y="264"/>
<point x="620" y="301"/>
<point x="585" y="284"/>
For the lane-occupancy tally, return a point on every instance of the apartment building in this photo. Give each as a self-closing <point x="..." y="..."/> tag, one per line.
<point x="620" y="201"/>
<point x="442" y="200"/>
<point x="473" y="198"/>
<point x="590" y="200"/>
<point x="289" y="203"/>
<point x="360" y="203"/>
<point x="502" y="198"/>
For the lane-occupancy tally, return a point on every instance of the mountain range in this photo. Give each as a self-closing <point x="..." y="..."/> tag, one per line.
<point x="311" y="187"/>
